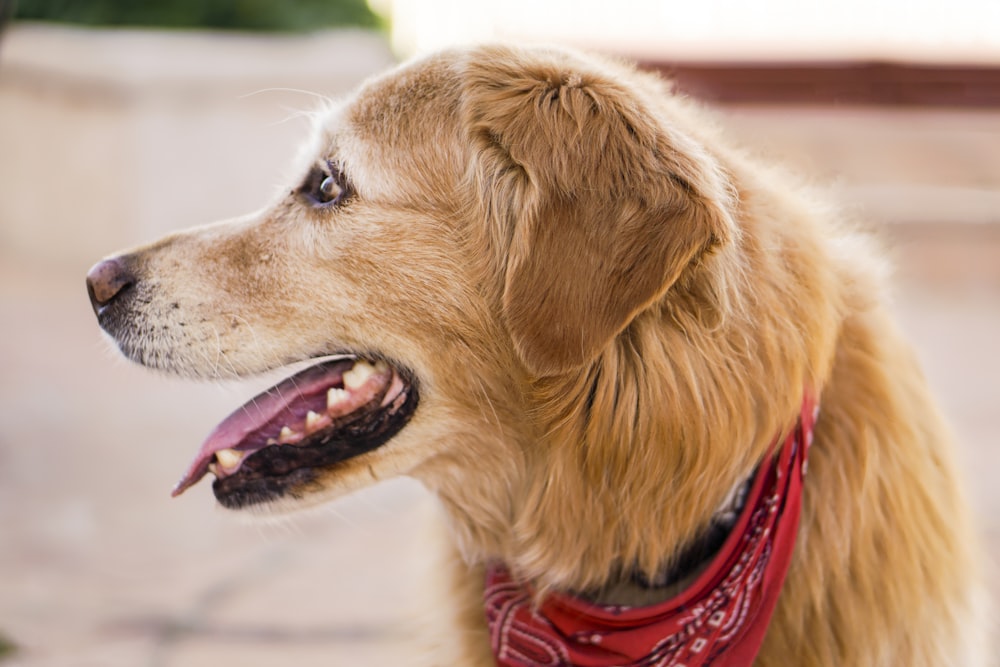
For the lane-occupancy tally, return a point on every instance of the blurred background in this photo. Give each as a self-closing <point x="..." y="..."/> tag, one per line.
<point x="122" y="120"/>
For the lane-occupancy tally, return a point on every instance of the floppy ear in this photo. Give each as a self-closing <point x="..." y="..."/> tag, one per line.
<point x="600" y="205"/>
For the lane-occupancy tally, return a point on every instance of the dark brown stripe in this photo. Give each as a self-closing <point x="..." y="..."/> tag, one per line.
<point x="837" y="82"/>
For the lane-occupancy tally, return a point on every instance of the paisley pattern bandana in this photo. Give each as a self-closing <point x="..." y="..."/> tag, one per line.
<point x="720" y="619"/>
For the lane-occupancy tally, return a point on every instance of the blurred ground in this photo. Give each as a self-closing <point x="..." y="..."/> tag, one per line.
<point x="99" y="567"/>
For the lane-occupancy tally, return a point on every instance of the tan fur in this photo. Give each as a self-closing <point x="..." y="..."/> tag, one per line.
<point x="612" y="315"/>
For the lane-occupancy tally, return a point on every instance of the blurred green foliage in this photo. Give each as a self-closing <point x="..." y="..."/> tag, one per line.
<point x="256" y="15"/>
<point x="6" y="648"/>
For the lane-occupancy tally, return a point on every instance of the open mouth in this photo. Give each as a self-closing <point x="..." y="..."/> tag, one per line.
<point x="277" y="442"/>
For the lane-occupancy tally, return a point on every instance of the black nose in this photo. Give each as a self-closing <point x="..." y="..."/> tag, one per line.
<point x="107" y="280"/>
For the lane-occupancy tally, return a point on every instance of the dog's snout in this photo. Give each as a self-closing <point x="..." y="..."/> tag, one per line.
<point x="107" y="280"/>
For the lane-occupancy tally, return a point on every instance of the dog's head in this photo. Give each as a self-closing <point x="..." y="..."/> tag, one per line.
<point x="467" y="227"/>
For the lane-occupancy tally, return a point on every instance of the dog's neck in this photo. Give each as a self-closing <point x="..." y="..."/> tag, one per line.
<point x="725" y="612"/>
<point x="634" y="588"/>
<point x="639" y="463"/>
<point x="617" y="469"/>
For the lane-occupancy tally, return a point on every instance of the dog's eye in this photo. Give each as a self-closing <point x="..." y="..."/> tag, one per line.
<point x="325" y="187"/>
<point x="329" y="190"/>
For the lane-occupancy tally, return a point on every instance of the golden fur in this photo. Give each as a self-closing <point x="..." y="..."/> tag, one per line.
<point x="612" y="314"/>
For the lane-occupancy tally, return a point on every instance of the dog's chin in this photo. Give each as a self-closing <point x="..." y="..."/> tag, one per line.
<point x="280" y="447"/>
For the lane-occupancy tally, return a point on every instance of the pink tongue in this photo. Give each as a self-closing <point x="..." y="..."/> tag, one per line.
<point x="258" y="412"/>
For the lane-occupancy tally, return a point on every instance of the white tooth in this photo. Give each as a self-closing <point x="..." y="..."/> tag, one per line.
<point x="213" y="468"/>
<point x="358" y="375"/>
<point x="335" y="396"/>
<point x="286" y="435"/>
<point x="271" y="441"/>
<point x="228" y="458"/>
<point x="312" y="420"/>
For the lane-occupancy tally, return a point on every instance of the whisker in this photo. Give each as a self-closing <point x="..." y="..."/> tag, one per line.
<point x="294" y="114"/>
<point x="326" y="99"/>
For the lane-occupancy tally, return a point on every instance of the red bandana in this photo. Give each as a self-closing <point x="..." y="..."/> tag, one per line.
<point x="720" y="619"/>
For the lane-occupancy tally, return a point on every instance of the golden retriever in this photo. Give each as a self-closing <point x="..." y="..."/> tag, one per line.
<point x="543" y="284"/>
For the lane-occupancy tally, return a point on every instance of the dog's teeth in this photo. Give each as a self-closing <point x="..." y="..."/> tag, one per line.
<point x="312" y="421"/>
<point x="271" y="441"/>
<point x="213" y="468"/>
<point x="358" y="375"/>
<point x="286" y="435"/>
<point x="335" y="396"/>
<point x="228" y="458"/>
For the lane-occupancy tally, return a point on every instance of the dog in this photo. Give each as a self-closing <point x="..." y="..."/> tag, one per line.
<point x="652" y="382"/>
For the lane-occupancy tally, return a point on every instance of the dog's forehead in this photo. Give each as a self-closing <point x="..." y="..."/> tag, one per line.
<point x="400" y="130"/>
<point x="416" y="87"/>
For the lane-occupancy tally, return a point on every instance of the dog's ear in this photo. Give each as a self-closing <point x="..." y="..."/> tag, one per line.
<point x="598" y="203"/>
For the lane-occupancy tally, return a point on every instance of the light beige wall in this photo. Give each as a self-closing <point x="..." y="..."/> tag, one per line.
<point x="110" y="138"/>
